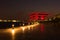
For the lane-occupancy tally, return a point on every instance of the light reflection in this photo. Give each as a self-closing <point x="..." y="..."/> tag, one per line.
<point x="23" y="24"/>
<point x="23" y="29"/>
<point x="42" y="28"/>
<point x="28" y="27"/>
<point x="19" y="29"/>
<point x="13" y="31"/>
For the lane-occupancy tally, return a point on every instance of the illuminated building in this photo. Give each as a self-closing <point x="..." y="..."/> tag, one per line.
<point x="34" y="16"/>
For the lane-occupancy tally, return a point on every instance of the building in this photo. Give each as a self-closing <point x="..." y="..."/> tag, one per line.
<point x="35" y="16"/>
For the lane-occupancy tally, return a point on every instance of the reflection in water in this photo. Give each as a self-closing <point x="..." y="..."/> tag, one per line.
<point x="45" y="31"/>
<point x="19" y="30"/>
<point x="28" y="27"/>
<point x="23" y="29"/>
<point x="42" y="27"/>
<point x="13" y="33"/>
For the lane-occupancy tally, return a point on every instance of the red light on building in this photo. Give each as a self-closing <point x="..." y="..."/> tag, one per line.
<point x="37" y="16"/>
<point x="42" y="18"/>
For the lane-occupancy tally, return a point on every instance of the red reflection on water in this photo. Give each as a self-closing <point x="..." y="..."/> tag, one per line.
<point x="42" y="27"/>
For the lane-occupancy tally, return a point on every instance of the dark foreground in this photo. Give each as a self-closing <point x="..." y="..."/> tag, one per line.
<point x="45" y="31"/>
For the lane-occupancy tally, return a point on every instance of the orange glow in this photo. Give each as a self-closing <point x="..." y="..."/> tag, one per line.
<point x="28" y="27"/>
<point x="12" y="31"/>
<point x="23" y="29"/>
<point x="20" y="28"/>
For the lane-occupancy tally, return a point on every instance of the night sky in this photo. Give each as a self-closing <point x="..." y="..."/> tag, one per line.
<point x="19" y="9"/>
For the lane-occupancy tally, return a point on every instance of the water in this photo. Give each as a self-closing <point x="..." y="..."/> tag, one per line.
<point x="44" y="31"/>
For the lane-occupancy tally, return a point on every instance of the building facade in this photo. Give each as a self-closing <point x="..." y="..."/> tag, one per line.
<point x="35" y="16"/>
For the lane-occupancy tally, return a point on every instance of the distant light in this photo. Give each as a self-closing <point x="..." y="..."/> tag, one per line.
<point x="14" y="20"/>
<point x="12" y="25"/>
<point x="9" y="20"/>
<point x="5" y="20"/>
<point x="23" y="24"/>
<point x="0" y="20"/>
<point x="42" y="17"/>
<point x="54" y="18"/>
<point x="50" y="19"/>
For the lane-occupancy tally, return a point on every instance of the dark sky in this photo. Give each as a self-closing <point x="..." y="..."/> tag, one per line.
<point x="19" y="9"/>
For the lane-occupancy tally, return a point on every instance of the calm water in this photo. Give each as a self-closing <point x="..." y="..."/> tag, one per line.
<point x="44" y="31"/>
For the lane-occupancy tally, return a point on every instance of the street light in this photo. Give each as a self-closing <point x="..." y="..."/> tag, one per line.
<point x="13" y="26"/>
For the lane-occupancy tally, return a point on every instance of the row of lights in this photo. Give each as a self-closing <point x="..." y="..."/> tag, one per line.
<point x="9" y="20"/>
<point x="20" y="29"/>
<point x="24" y="27"/>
